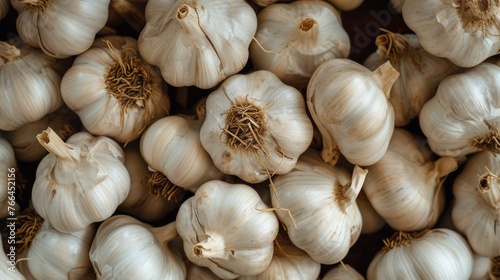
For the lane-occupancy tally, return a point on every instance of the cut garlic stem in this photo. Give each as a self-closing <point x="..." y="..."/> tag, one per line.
<point x="445" y="166"/>
<point x="8" y="52"/>
<point x="489" y="190"/>
<point x="165" y="233"/>
<point x="385" y="76"/>
<point x="211" y="248"/>
<point x="358" y="178"/>
<point x="56" y="146"/>
<point x="188" y="19"/>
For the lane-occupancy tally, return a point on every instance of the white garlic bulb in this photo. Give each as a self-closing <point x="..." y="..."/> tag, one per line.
<point x="8" y="268"/>
<point x="292" y="40"/>
<point x="172" y="146"/>
<point x="326" y="222"/>
<point x="226" y="228"/>
<point x="255" y="126"/>
<point x="60" y="28"/>
<point x="30" y="85"/>
<point x="350" y="106"/>
<point x="8" y="183"/>
<point x="405" y="185"/>
<point x="79" y="182"/>
<point x="420" y="73"/>
<point x="343" y="272"/>
<point x="435" y="254"/>
<point x="113" y="91"/>
<point x="476" y="212"/>
<point x="464" y="117"/>
<point x="346" y="5"/>
<point x="4" y="8"/>
<point x="465" y="32"/>
<point x="197" y="42"/>
<point x="125" y="248"/>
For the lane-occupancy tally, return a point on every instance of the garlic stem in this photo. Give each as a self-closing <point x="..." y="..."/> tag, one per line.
<point x="385" y="76"/>
<point x="188" y="19"/>
<point x="309" y="32"/>
<point x="489" y="189"/>
<point x="56" y="146"/>
<point x="8" y="52"/>
<point x="211" y="248"/>
<point x="445" y="166"/>
<point x="165" y="233"/>
<point x="346" y="194"/>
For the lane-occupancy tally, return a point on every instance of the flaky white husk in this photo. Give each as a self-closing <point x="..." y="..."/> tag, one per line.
<point x="288" y="131"/>
<point x="350" y="106"/>
<point x="197" y="42"/>
<point x="80" y="182"/>
<point x="30" y="86"/>
<point x="293" y="53"/>
<point x="419" y="73"/>
<point x="224" y="228"/>
<point x="476" y="212"/>
<point x="327" y="221"/>
<point x="7" y="178"/>
<point x="463" y="107"/>
<point x="405" y="186"/>
<point x="125" y="248"/>
<point x="172" y="146"/>
<point x="64" y="28"/>
<point x="343" y="272"/>
<point x="345" y="5"/>
<point x="4" y="8"/>
<point x="438" y="254"/>
<point x="443" y="33"/>
<point x="85" y="91"/>
<point x="7" y="264"/>
<point x="56" y="255"/>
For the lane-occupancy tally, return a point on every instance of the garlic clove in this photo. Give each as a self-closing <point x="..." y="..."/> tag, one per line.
<point x="343" y="272"/>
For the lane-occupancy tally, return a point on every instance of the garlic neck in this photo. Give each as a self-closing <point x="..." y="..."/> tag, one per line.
<point x="165" y="233"/>
<point x="489" y="190"/>
<point x="347" y="194"/>
<point x="8" y="53"/>
<point x="56" y="146"/>
<point x="36" y="5"/>
<point x="309" y="31"/>
<point x="478" y="15"/>
<point x="212" y="247"/>
<point x="385" y="76"/>
<point x="187" y="17"/>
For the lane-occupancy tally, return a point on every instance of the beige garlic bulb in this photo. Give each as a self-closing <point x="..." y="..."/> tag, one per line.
<point x="464" y="31"/>
<point x="4" y="8"/>
<point x="476" y="212"/>
<point x="346" y="5"/>
<point x="125" y="248"/>
<point x="350" y="106"/>
<point x="8" y="268"/>
<point x="23" y="140"/>
<point x="326" y="222"/>
<point x="435" y="254"/>
<point x="172" y="146"/>
<point x="420" y="73"/>
<point x="227" y="228"/>
<point x="152" y="196"/>
<point x="79" y="182"/>
<point x="405" y="186"/>
<point x="60" y="28"/>
<point x="197" y="42"/>
<point x="372" y="221"/>
<point x="293" y="39"/>
<point x="113" y="91"/>
<point x="255" y="126"/>
<point x="464" y="117"/>
<point x="343" y="272"/>
<point x="8" y="180"/>
<point x="30" y="85"/>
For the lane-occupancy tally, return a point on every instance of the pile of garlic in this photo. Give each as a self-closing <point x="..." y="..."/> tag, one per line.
<point x="233" y="139"/>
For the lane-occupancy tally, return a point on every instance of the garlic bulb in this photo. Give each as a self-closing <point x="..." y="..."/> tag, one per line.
<point x="113" y="91"/>
<point x="372" y="221"/>
<point x="30" y="85"/>
<point x="342" y="272"/>
<point x="326" y="222"/>
<point x="476" y="212"/>
<point x="255" y="126"/>
<point x="435" y="254"/>
<point x="197" y="42"/>
<point x="79" y="182"/>
<point x="8" y="268"/>
<point x="464" y="117"/>
<point x="350" y="106"/>
<point x="346" y="5"/>
<point x="292" y="40"/>
<point x="226" y="228"/>
<point x="60" y="28"/>
<point x="265" y="3"/>
<point x="152" y="196"/>
<point x="125" y="248"/>
<point x="4" y="8"/>
<point x="23" y="140"/>
<point x="8" y="181"/>
<point x="288" y="262"/>
<point x="132" y="11"/>
<point x="405" y="186"/>
<point x="485" y="268"/>
<point x="420" y="73"/>
<point x="172" y="147"/>
<point x="464" y="31"/>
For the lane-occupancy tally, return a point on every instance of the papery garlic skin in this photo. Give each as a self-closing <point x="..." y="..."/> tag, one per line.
<point x="30" y="86"/>
<point x="79" y="182"/>
<point x="343" y="272"/>
<point x="326" y="222"/>
<point x="420" y="73"/>
<point x="125" y="248"/>
<point x="172" y="146"/>
<point x="112" y="99"/>
<point x="225" y="229"/>
<point x="7" y="178"/>
<point x="4" y="8"/>
<point x="277" y="128"/>
<point x="464" y="117"/>
<point x="345" y="5"/>
<point x="292" y="40"/>
<point x="476" y="212"/>
<point x="437" y="254"/>
<point x="61" y="28"/>
<point x="350" y="106"/>
<point x="405" y="185"/>
<point x="197" y="42"/>
<point x="7" y="266"/>
<point x="463" y="31"/>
